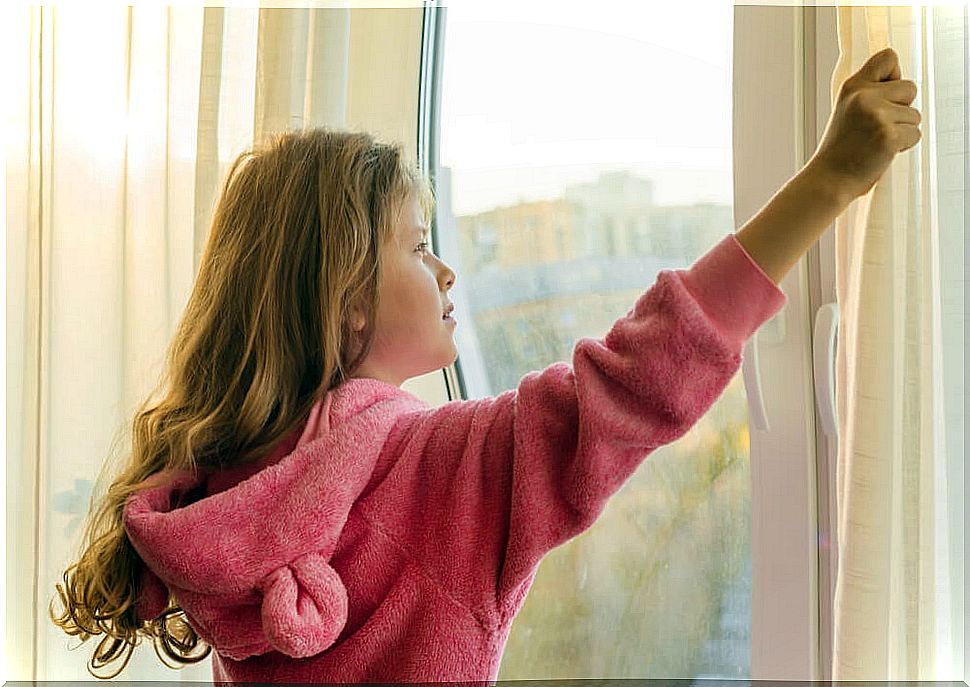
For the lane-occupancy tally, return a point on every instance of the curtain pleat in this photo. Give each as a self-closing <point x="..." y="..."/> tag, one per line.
<point x="302" y="69"/>
<point x="207" y="142"/>
<point x="895" y="582"/>
<point x="124" y="123"/>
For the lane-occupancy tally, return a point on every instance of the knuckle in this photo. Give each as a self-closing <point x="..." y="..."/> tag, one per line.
<point x="847" y="89"/>
<point x="885" y="136"/>
<point x="866" y="101"/>
<point x="878" y="116"/>
<point x="853" y="101"/>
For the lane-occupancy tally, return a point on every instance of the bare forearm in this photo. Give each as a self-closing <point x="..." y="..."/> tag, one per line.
<point x="789" y="224"/>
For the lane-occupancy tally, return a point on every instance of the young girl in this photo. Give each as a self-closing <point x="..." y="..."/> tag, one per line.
<point x="311" y="520"/>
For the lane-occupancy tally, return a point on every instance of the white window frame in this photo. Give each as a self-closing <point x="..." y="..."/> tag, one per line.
<point x="783" y="60"/>
<point x="780" y="111"/>
<point x="445" y="385"/>
<point x="821" y="55"/>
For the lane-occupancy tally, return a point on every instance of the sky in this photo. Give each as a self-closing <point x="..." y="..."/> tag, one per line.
<point x="535" y="97"/>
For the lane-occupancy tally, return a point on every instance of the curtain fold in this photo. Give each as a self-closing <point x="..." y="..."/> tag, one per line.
<point x="898" y="590"/>
<point x="301" y="69"/>
<point x="123" y="123"/>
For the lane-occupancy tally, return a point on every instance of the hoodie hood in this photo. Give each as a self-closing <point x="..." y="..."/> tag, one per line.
<point x="246" y="551"/>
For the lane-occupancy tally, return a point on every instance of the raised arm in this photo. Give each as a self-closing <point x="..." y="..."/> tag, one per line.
<point x="477" y="492"/>
<point x="869" y="125"/>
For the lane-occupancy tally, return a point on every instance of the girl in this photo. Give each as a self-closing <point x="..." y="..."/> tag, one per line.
<point x="289" y="505"/>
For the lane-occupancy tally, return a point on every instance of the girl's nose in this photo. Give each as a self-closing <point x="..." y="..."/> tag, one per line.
<point x="446" y="273"/>
<point x="449" y="277"/>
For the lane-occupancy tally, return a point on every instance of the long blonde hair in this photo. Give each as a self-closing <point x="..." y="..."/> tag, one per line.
<point x="295" y="243"/>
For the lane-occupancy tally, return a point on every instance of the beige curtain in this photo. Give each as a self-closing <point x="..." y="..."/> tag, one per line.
<point x="898" y="599"/>
<point x="123" y="122"/>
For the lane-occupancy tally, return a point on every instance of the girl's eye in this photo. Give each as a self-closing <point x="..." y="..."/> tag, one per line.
<point x="423" y="246"/>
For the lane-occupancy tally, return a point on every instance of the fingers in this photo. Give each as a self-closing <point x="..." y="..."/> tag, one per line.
<point x="899" y="91"/>
<point x="883" y="66"/>
<point x="899" y="114"/>
<point x="907" y="136"/>
<point x="897" y="96"/>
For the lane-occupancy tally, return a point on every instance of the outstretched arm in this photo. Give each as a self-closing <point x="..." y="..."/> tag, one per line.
<point x="478" y="491"/>
<point x="870" y="124"/>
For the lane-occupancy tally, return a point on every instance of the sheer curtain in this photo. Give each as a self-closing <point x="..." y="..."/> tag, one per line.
<point x="899" y="279"/>
<point x="121" y="125"/>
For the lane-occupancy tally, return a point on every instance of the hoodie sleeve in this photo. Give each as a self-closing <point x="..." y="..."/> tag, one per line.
<point x="478" y="491"/>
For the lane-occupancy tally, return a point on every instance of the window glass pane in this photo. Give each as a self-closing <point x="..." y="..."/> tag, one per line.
<point x="583" y="151"/>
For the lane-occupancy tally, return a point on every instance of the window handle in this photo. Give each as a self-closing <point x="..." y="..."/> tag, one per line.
<point x="823" y="361"/>
<point x="751" y="371"/>
<point x="770" y="333"/>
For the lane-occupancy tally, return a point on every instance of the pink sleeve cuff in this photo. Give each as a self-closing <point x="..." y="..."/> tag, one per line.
<point x="733" y="290"/>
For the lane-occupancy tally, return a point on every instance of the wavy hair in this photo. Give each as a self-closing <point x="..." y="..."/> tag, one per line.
<point x="294" y="245"/>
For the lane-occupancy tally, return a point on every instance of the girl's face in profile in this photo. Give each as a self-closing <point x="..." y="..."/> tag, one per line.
<point x="411" y="336"/>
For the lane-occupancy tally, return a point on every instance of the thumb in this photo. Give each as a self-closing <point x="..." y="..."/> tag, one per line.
<point x="883" y="66"/>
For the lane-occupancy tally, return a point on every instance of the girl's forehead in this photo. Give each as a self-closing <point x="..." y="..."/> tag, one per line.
<point x="410" y="209"/>
<point x="410" y="221"/>
<point x="410" y="226"/>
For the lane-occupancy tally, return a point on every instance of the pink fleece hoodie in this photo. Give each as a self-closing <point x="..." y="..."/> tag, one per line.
<point x="390" y="541"/>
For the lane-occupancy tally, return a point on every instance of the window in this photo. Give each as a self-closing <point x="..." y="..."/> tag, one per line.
<point x="486" y="249"/>
<point x="660" y="586"/>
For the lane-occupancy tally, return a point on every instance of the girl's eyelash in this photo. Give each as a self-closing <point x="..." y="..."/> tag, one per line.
<point x="423" y="244"/>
